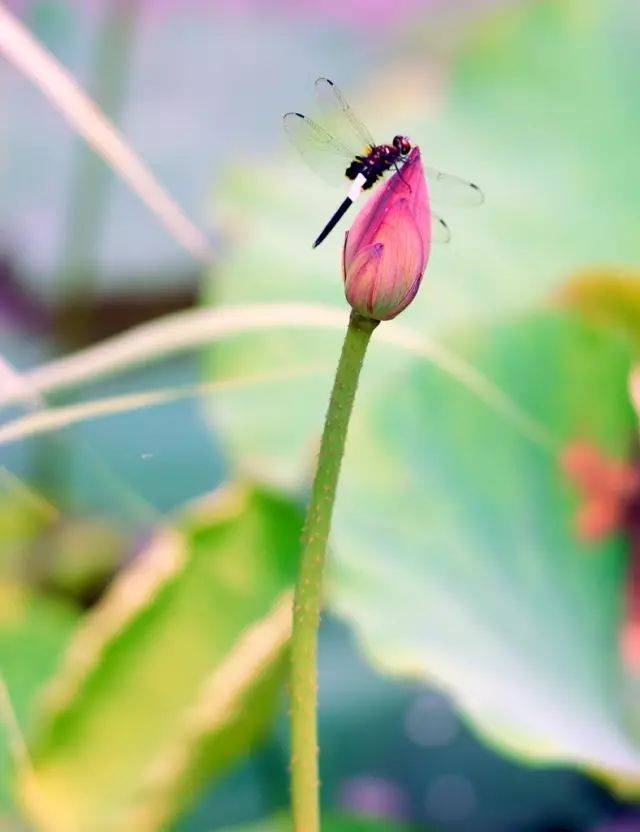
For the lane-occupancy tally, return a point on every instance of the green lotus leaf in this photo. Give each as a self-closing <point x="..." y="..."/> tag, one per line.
<point x="175" y="674"/>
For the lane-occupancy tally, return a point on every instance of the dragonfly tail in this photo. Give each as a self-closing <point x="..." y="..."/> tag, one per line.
<point x="335" y="219"/>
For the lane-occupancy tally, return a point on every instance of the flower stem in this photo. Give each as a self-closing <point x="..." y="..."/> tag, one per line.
<point x="306" y="612"/>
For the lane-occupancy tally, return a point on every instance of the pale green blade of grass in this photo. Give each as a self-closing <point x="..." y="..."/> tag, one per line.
<point x="31" y="58"/>
<point x="56" y="418"/>
<point x="14" y="386"/>
<point x="196" y="328"/>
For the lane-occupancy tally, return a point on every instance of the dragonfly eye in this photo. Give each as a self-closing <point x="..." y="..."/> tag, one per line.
<point x="402" y="144"/>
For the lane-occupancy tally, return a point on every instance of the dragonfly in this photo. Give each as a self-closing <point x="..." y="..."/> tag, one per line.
<point x="346" y="148"/>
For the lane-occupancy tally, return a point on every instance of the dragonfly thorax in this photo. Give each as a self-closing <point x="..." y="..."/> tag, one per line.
<point x="378" y="161"/>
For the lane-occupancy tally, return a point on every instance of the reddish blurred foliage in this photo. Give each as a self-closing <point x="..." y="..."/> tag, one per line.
<point x="610" y="494"/>
<point x="607" y="488"/>
<point x="630" y="636"/>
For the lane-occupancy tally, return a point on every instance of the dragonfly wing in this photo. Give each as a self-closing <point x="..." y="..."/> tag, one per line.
<point x="341" y="119"/>
<point x="451" y="190"/>
<point x="325" y="155"/>
<point x="440" y="232"/>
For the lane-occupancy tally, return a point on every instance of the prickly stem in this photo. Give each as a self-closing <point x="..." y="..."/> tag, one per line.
<point x="308" y="596"/>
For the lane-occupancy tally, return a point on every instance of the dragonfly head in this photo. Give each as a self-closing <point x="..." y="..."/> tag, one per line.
<point x="402" y="144"/>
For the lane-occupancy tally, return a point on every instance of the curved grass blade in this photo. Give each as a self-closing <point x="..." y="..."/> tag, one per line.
<point x="30" y="58"/>
<point x="57" y="418"/>
<point x="196" y="328"/>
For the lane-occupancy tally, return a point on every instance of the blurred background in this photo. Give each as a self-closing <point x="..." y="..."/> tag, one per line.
<point x="479" y="656"/>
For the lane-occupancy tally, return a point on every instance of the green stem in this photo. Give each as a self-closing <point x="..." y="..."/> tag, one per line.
<point x="306" y="613"/>
<point x="89" y="199"/>
<point x="88" y="205"/>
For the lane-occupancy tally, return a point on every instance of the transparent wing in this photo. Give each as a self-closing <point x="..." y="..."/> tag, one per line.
<point x="451" y="190"/>
<point x="440" y="232"/>
<point x="325" y="155"/>
<point x="341" y="119"/>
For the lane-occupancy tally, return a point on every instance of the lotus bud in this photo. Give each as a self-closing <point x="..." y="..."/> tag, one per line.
<point x="387" y="248"/>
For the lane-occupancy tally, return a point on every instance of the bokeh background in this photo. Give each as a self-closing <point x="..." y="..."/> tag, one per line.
<point x="479" y="656"/>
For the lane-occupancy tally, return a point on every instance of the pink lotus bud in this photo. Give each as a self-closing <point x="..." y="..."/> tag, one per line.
<point x="387" y="248"/>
